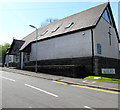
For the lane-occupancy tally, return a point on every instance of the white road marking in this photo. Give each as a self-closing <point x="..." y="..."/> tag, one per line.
<point x="30" y="107"/>
<point x="89" y="108"/>
<point x="41" y="90"/>
<point x="7" y="78"/>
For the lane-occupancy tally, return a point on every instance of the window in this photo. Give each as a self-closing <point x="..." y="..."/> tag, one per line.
<point x="106" y="16"/>
<point x="55" y="29"/>
<point x="69" y="25"/>
<point x="44" y="32"/>
<point x="10" y="59"/>
<point x="99" y="49"/>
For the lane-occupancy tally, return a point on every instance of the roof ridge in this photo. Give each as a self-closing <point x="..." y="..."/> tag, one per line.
<point x="88" y="9"/>
<point x="76" y="14"/>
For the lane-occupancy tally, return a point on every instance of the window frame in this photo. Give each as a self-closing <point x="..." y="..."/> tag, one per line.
<point x="44" y="32"/>
<point x="108" y="15"/>
<point x="55" y="29"/>
<point x="69" y="25"/>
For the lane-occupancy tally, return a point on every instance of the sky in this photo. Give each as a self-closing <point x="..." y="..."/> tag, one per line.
<point x="16" y="16"/>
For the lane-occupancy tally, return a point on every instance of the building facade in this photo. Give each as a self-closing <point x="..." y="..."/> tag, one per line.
<point x="86" y="43"/>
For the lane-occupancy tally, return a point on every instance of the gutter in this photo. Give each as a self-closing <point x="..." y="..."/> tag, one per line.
<point x="55" y="36"/>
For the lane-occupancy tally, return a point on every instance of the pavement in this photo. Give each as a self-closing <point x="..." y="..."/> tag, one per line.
<point x="68" y="80"/>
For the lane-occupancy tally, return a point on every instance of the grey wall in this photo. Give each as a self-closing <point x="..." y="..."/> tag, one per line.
<point x="101" y="36"/>
<point x="68" y="46"/>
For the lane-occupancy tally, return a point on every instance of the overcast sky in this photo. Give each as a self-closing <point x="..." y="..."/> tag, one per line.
<point x="15" y="17"/>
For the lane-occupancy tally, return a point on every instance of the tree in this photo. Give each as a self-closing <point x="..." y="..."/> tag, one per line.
<point x="0" y="55"/>
<point x="3" y="49"/>
<point x="48" y="21"/>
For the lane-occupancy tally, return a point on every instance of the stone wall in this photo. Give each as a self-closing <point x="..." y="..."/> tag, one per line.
<point x="103" y="62"/>
<point x="74" y="67"/>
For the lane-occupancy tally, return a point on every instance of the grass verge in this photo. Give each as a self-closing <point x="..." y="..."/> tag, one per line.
<point x="104" y="79"/>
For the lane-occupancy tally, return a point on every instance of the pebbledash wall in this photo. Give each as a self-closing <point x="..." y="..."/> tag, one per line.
<point x="109" y="57"/>
<point x="101" y="36"/>
<point x="68" y="46"/>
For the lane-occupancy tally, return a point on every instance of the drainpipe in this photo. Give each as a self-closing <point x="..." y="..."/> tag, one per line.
<point x="92" y="39"/>
<point x="22" y="63"/>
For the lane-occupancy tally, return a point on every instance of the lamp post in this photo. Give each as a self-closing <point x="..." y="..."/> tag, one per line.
<point x="36" y="65"/>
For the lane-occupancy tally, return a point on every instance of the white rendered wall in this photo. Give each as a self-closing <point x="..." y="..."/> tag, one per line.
<point x="68" y="46"/>
<point x="101" y="36"/>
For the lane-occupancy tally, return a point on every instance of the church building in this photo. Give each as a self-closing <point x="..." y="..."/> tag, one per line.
<point x="86" y="43"/>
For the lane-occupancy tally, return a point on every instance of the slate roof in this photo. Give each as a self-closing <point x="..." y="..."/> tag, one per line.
<point x="15" y="46"/>
<point x="81" y="20"/>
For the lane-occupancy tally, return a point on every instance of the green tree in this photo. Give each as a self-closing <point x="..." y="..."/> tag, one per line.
<point x="3" y="49"/>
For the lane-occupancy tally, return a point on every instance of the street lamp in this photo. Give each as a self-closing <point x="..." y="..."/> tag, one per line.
<point x="36" y="65"/>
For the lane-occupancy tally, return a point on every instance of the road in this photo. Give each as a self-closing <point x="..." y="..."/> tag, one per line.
<point x="20" y="91"/>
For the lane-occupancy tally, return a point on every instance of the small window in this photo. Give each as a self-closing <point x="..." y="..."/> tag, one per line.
<point x="69" y="25"/>
<point x="106" y="16"/>
<point x="99" y="49"/>
<point x="10" y="59"/>
<point x="55" y="29"/>
<point x="44" y="32"/>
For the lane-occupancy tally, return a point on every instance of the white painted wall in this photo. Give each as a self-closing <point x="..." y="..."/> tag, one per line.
<point x="101" y="36"/>
<point x="68" y="46"/>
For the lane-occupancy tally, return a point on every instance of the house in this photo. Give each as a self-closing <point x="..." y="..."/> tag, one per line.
<point x="9" y="59"/>
<point x="85" y="43"/>
<point x="14" y="52"/>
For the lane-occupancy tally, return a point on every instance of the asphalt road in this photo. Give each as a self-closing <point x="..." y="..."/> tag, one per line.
<point x="20" y="91"/>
